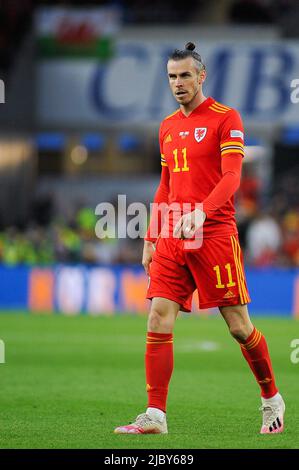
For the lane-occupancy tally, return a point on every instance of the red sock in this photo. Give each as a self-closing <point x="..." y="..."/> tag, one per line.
<point x="256" y="353"/>
<point x="159" y="367"/>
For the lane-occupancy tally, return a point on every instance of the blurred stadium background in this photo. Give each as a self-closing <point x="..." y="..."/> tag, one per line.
<point x="85" y="89"/>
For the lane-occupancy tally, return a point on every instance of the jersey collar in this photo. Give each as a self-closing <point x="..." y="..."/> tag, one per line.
<point x="200" y="108"/>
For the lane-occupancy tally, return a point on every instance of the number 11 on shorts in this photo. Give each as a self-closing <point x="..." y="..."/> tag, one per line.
<point x="219" y="284"/>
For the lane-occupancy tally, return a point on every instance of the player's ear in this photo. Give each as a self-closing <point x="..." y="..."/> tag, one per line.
<point x="202" y="76"/>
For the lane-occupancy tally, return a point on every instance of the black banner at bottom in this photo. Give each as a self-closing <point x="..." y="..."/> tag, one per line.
<point x="133" y="458"/>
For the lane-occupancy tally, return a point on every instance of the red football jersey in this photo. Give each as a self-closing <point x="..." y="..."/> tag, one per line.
<point x="192" y="148"/>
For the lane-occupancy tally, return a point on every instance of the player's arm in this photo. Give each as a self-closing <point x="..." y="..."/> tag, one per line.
<point x="231" y="167"/>
<point x="158" y="212"/>
<point x="231" y="136"/>
<point x="160" y="201"/>
<point x="161" y="198"/>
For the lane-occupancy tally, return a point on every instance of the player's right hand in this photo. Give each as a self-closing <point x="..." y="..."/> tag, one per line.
<point x="148" y="250"/>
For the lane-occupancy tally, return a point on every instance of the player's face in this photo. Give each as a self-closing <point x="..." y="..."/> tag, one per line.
<point x="184" y="79"/>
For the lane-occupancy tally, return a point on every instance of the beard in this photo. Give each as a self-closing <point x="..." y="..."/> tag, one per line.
<point x="187" y="98"/>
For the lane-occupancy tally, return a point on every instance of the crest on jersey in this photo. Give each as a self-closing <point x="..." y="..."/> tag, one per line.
<point x="200" y="133"/>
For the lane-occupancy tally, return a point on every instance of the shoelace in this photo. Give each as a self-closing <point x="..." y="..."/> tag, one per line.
<point x="270" y="414"/>
<point x="143" y="419"/>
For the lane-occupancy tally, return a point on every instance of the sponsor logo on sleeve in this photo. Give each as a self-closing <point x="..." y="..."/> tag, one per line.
<point x="236" y="133"/>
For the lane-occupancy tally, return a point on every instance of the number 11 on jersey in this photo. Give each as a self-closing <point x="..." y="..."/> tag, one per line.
<point x="177" y="168"/>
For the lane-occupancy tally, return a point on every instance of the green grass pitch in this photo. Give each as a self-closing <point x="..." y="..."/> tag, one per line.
<point x="68" y="381"/>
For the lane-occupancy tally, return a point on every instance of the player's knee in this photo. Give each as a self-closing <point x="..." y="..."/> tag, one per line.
<point x="159" y="320"/>
<point x="239" y="331"/>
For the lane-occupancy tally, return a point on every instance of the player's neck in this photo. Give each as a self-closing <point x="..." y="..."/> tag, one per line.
<point x="197" y="100"/>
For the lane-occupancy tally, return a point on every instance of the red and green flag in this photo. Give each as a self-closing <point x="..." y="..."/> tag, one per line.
<point x="76" y="32"/>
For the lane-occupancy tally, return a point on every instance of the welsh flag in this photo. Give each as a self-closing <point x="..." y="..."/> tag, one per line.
<point x="76" y="32"/>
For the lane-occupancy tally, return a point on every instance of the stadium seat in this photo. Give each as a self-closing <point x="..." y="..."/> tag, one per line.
<point x="290" y="135"/>
<point x="93" y="142"/>
<point x="128" y="142"/>
<point x="50" y="141"/>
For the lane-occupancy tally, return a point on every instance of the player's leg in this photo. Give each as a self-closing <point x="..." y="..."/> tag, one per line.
<point x="158" y="367"/>
<point x="255" y="350"/>
<point x="159" y="354"/>
<point x="170" y="289"/>
<point x="238" y="321"/>
<point x="162" y="315"/>
<point x="219" y="275"/>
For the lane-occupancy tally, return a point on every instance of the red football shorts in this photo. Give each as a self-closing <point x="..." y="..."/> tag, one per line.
<point x="216" y="270"/>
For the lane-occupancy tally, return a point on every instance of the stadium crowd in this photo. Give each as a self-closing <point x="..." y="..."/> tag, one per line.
<point x="60" y="241"/>
<point x="16" y="17"/>
<point x="15" y="21"/>
<point x="269" y="229"/>
<point x="269" y="233"/>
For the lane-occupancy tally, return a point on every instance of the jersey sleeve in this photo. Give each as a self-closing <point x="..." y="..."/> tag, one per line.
<point x="231" y="167"/>
<point x="231" y="134"/>
<point x="159" y="207"/>
<point x="161" y="139"/>
<point x="160" y="200"/>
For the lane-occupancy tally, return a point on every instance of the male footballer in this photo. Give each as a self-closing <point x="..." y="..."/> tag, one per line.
<point x="202" y="148"/>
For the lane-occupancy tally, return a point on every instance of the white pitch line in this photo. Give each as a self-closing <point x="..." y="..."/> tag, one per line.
<point x="207" y="346"/>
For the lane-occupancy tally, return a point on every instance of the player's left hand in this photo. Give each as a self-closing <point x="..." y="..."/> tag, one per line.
<point x="188" y="224"/>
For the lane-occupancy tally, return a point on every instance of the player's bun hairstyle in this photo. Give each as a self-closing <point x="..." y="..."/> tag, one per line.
<point x="190" y="46"/>
<point x="189" y="51"/>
